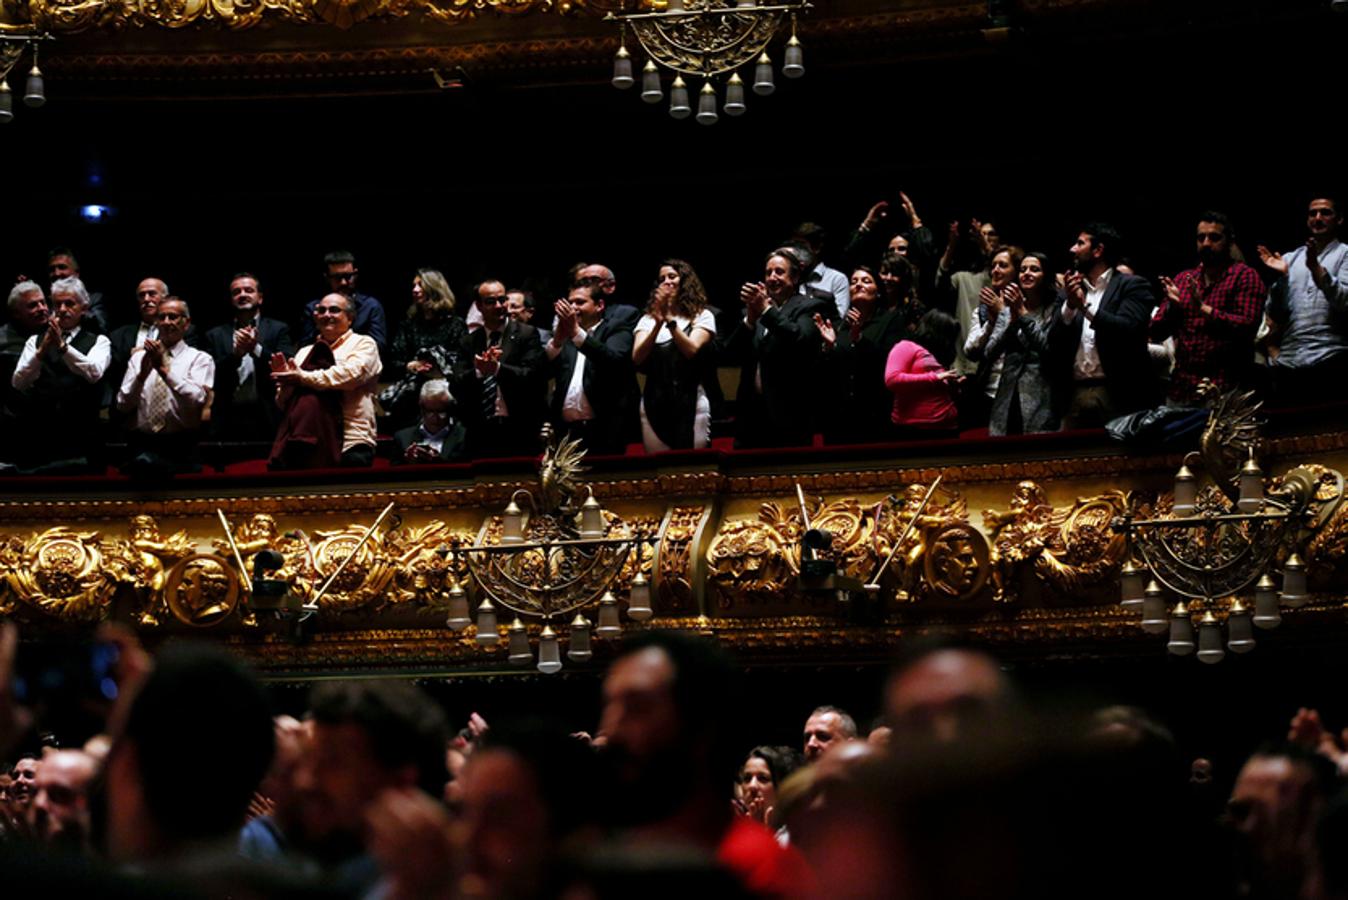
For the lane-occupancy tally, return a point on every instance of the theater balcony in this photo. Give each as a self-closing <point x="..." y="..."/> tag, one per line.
<point x="1017" y="547"/>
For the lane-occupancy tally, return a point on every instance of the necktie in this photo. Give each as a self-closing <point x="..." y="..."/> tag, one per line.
<point x="489" y="381"/>
<point x="156" y="402"/>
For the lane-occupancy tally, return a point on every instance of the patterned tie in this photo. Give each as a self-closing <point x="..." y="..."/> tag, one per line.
<point x="489" y="381"/>
<point x="156" y="402"/>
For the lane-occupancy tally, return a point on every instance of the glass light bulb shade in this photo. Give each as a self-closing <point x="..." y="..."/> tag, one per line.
<point x="651" y="91"/>
<point x="1251" y="486"/>
<point x="793" y="64"/>
<point x="706" y="105"/>
<point x="578" y="643"/>
<point x="591" y="518"/>
<point x="512" y="524"/>
<point x="1154" y="618"/>
<point x="1132" y="582"/>
<point x="458" y="608"/>
<point x="1294" y="582"/>
<point x="519" y="652"/>
<point x="608" y="625"/>
<point x="486" y="625"/>
<point x="1266" y="613"/>
<point x="549" y="654"/>
<point x="763" y="76"/>
<point x="6" y="102"/>
<point x="1186" y="492"/>
<point x="1181" y="632"/>
<point x="1210" y="640"/>
<point x="34" y="92"/>
<point x="639" y="599"/>
<point x="734" y="96"/>
<point x="1239" y="629"/>
<point x="678" y="99"/>
<point x="622" y="70"/>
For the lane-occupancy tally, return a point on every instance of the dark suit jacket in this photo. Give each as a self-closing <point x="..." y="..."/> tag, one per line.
<point x="454" y="449"/>
<point x="259" y="421"/>
<point x="784" y="346"/>
<point x="1121" y="324"/>
<point x="610" y="380"/>
<point x="522" y="379"/>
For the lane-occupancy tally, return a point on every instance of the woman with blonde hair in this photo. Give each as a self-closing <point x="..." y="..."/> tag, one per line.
<point x="426" y="347"/>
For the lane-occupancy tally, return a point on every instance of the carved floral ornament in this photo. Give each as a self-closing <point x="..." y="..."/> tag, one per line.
<point x="72" y="16"/>
<point x="1029" y="557"/>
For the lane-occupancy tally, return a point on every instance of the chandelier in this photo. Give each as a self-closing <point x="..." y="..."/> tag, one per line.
<point x="706" y="39"/>
<point x="12" y="48"/>
<point x="1216" y="547"/>
<point x="560" y="559"/>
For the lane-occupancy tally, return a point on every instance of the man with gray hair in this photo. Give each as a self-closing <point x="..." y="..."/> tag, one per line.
<point x="166" y="386"/>
<point x="439" y="436"/>
<point x="127" y="339"/>
<point x="827" y="727"/>
<point x="27" y="316"/>
<point x="59" y="375"/>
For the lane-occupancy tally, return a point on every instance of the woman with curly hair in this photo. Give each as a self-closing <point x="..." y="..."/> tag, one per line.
<point x="673" y="348"/>
<point x="426" y="347"/>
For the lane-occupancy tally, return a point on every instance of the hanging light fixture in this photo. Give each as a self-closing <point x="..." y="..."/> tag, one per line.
<point x="706" y="104"/>
<point x="6" y="102"/>
<point x="549" y="655"/>
<point x="678" y="99"/>
<point x="1223" y="546"/>
<point x="565" y="557"/>
<point x="711" y="39"/>
<point x="34" y="93"/>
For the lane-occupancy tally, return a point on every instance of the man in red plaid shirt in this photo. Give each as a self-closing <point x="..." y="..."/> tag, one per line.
<point x="1212" y="312"/>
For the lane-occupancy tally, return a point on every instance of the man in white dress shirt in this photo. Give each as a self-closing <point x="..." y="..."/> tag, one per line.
<point x="166" y="388"/>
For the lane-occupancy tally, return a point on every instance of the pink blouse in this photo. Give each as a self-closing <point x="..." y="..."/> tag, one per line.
<point x="920" y="398"/>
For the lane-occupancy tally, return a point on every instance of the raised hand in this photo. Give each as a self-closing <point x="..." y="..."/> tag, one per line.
<point x="909" y="210"/>
<point x="876" y="215"/>
<point x="1075" y="287"/>
<point x="953" y="236"/>
<point x="754" y="295"/>
<point x="245" y="339"/>
<point x="992" y="300"/>
<point x="1272" y="260"/>
<point x="566" y="320"/>
<point x="980" y="239"/>
<point x="1172" y="291"/>
<point x="488" y="362"/>
<point x="1014" y="298"/>
<point x="826" y="331"/>
<point x="853" y="321"/>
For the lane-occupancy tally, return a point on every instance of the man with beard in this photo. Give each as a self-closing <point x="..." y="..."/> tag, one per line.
<point x="368" y="737"/>
<point x="1102" y="326"/>
<point x="1212" y="312"/>
<point x="669" y="703"/>
<point x="367" y="313"/>
<point x="1308" y="307"/>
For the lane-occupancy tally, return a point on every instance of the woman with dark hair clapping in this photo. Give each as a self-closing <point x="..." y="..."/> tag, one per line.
<point x="672" y="347"/>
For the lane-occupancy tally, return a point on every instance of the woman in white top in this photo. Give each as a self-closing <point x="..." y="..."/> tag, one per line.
<point x="673" y="348"/>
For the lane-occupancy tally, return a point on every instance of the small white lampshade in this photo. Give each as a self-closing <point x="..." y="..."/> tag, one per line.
<point x="608" y="626"/>
<point x="1181" y="631"/>
<point x="487" y="635"/>
<point x="1266" y="613"/>
<point x="793" y="65"/>
<point x="1154" y="618"/>
<point x="458" y="607"/>
<point x="763" y="76"/>
<point x="1132" y="580"/>
<point x="1294" y="582"/>
<point x="578" y="644"/>
<point x="678" y="99"/>
<point x="1239" y="629"/>
<point x="622" y="69"/>
<point x="549" y="655"/>
<point x="651" y="91"/>
<point x="1210" y="639"/>
<point x="734" y="96"/>
<point x="520" y="653"/>
<point x="639" y="599"/>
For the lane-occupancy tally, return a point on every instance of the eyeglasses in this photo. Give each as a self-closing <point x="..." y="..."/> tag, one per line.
<point x="169" y="317"/>
<point x="343" y="276"/>
<point x="329" y="310"/>
<point x="490" y="301"/>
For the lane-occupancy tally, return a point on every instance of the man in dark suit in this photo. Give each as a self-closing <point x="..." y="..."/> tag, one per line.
<point x="1102" y="325"/>
<point x="341" y="273"/>
<point x="778" y="346"/>
<point x="595" y="395"/>
<point x="244" y="404"/>
<point x="439" y="436"/>
<point x="502" y="395"/>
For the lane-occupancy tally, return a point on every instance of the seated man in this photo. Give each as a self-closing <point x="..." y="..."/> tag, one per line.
<point x="166" y="387"/>
<point x="59" y="381"/>
<point x="438" y="437"/>
<point x="327" y="393"/>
